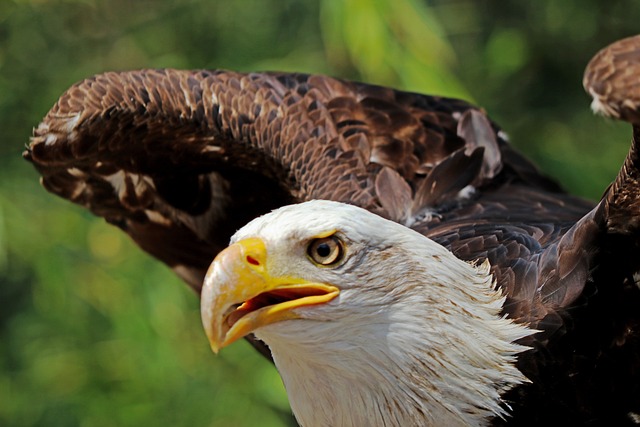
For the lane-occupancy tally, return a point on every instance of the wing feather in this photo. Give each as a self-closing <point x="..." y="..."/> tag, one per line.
<point x="188" y="157"/>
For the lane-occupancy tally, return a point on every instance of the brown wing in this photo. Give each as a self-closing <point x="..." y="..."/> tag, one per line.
<point x="181" y="159"/>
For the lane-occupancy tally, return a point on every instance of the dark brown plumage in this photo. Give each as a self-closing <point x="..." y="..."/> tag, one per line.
<point x="181" y="159"/>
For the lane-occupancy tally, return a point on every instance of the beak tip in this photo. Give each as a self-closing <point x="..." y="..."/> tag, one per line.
<point x="215" y="348"/>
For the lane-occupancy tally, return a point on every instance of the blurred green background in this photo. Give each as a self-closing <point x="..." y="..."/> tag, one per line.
<point x="95" y="333"/>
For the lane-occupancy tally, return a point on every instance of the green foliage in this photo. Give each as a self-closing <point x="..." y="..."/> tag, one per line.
<point x="393" y="43"/>
<point x="95" y="333"/>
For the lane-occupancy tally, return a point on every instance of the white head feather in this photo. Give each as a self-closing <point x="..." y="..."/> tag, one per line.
<point x="416" y="336"/>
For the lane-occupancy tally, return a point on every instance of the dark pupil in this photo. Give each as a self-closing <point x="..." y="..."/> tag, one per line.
<point x="323" y="250"/>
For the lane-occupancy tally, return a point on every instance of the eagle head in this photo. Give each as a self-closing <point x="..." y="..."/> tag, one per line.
<point x="368" y="321"/>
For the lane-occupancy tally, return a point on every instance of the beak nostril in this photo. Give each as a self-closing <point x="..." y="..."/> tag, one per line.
<point x="251" y="260"/>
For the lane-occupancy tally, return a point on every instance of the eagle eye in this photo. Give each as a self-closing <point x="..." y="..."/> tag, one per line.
<point x="326" y="250"/>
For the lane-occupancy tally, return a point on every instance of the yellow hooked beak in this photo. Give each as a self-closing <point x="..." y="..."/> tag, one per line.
<point x="239" y="295"/>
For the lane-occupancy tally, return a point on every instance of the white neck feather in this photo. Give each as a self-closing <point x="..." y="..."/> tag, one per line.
<point x="434" y="350"/>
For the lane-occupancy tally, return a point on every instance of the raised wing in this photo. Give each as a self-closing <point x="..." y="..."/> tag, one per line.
<point x="181" y="159"/>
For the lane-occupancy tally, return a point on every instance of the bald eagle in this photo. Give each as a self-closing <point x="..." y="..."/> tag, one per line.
<point x="416" y="270"/>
